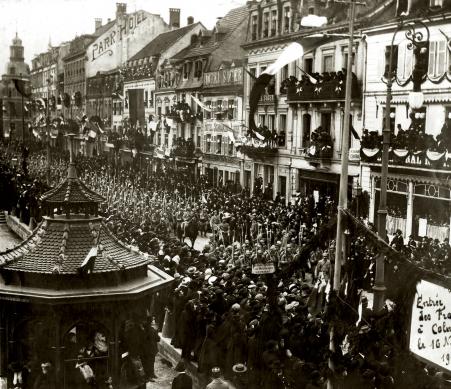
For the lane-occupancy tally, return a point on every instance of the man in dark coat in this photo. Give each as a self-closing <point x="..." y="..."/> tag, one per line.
<point x="182" y="380"/>
<point x="151" y="348"/>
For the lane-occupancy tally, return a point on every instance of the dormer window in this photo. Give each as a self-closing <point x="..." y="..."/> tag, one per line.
<point x="186" y="70"/>
<point x="198" y="69"/>
<point x="194" y="39"/>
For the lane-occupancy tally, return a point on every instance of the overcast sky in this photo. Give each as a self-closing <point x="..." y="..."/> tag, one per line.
<point x="60" y="20"/>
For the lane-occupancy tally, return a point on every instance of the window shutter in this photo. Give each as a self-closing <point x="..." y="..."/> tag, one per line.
<point x="431" y="67"/>
<point x="401" y="60"/>
<point x="441" y="57"/>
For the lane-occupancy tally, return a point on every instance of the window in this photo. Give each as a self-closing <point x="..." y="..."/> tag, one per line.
<point x="230" y="147"/>
<point x="286" y="19"/>
<point x="405" y="61"/>
<point x="273" y="23"/>
<point x="437" y="58"/>
<point x="345" y="61"/>
<point x="265" y="25"/>
<point x="387" y="59"/>
<point x="271" y="122"/>
<point x="252" y="71"/>
<point x="282" y="130"/>
<point x="218" y="144"/>
<point x="326" y="120"/>
<point x="254" y="26"/>
<point x="328" y="63"/>
<point x="308" y="65"/>
<point x="306" y="127"/>
<point x="146" y="98"/>
<point x="311" y="10"/>
<point x="284" y="73"/>
<point x="208" y="143"/>
<point x="208" y="113"/>
<point x="198" y="69"/>
<point x="186" y="70"/>
<point x="166" y="139"/>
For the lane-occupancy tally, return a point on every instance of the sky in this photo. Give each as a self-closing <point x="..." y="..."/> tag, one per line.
<point x="38" y="21"/>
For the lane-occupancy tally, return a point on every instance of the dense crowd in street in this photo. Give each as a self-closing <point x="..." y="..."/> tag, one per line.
<point x="256" y="330"/>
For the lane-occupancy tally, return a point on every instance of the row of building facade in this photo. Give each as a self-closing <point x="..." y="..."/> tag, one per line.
<point x="186" y="89"/>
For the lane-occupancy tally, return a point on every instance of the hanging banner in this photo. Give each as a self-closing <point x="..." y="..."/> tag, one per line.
<point x="422" y="227"/>
<point x="430" y="325"/>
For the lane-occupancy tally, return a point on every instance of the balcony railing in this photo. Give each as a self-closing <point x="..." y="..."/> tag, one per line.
<point x="412" y="148"/>
<point x="256" y="152"/>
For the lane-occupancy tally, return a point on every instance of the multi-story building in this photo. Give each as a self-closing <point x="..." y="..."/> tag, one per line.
<point x="207" y="54"/>
<point x="418" y="188"/>
<point x="302" y="111"/>
<point x="143" y="106"/>
<point x="14" y="118"/>
<point x="47" y="77"/>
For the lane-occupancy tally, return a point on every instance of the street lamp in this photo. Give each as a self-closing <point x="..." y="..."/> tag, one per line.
<point x="420" y="46"/>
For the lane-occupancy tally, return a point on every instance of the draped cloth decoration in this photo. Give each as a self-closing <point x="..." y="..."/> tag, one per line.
<point x="396" y="223"/>
<point x="400" y="153"/>
<point x="434" y="156"/>
<point x="438" y="232"/>
<point x="369" y="155"/>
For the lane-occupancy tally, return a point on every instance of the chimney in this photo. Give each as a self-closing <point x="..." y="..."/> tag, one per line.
<point x="189" y="20"/>
<point x="121" y="9"/>
<point x="109" y="20"/>
<point x="174" y="17"/>
<point x="98" y="23"/>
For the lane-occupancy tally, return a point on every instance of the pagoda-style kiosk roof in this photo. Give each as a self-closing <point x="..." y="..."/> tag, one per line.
<point x="68" y="289"/>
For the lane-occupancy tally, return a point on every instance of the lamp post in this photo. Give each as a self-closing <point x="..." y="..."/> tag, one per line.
<point x="420" y="48"/>
<point x="47" y="122"/>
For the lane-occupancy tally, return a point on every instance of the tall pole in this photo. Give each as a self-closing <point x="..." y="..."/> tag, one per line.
<point x="47" y="121"/>
<point x="343" y="195"/>
<point x="379" y="286"/>
<point x="23" y="122"/>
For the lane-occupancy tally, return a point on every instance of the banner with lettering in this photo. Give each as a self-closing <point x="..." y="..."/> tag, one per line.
<point x="430" y="326"/>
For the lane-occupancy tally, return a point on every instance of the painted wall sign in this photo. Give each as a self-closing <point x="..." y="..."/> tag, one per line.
<point x="107" y="42"/>
<point x="430" y="327"/>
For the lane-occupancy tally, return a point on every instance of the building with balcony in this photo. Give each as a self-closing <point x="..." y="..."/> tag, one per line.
<point x="192" y="71"/>
<point x="14" y="118"/>
<point x="418" y="189"/>
<point x="47" y="78"/>
<point x="302" y="109"/>
<point x="223" y="123"/>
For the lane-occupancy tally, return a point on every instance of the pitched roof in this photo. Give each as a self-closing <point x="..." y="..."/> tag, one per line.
<point x="162" y="42"/>
<point x="226" y="26"/>
<point x="71" y="190"/>
<point x="65" y="243"/>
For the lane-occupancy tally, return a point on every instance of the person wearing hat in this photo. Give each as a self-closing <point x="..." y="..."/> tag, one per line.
<point x="398" y="241"/>
<point x="218" y="382"/>
<point x="240" y="379"/>
<point x="182" y="380"/>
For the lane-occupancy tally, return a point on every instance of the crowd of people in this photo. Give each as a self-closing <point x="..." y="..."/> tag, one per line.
<point x="252" y="307"/>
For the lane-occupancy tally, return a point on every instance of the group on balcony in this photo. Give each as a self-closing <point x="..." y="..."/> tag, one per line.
<point x="412" y="146"/>
<point x="328" y="85"/>
<point x="167" y="79"/>
<point x="131" y="73"/>
<point x="319" y="143"/>
<point x="184" y="148"/>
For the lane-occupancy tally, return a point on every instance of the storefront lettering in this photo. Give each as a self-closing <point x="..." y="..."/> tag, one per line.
<point x="107" y="43"/>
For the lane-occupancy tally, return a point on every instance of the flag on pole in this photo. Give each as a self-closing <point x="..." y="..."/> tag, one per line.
<point x="204" y="200"/>
<point x="87" y="266"/>
<point x="200" y="104"/>
<point x="291" y="53"/>
<point x="92" y="134"/>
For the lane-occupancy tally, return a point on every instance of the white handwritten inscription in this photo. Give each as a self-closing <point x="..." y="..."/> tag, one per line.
<point x="430" y="328"/>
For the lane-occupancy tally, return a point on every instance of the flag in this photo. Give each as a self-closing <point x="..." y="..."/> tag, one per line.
<point x="354" y="132"/>
<point x="259" y="136"/>
<point x="22" y="87"/>
<point x="200" y="104"/>
<point x="41" y="102"/>
<point x="153" y="126"/>
<point x="257" y="90"/>
<point x="291" y="53"/>
<point x="169" y="122"/>
<point x="117" y="95"/>
<point x="204" y="200"/>
<point x="92" y="134"/>
<point x="231" y="136"/>
<point x="87" y="266"/>
<point x="310" y="77"/>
